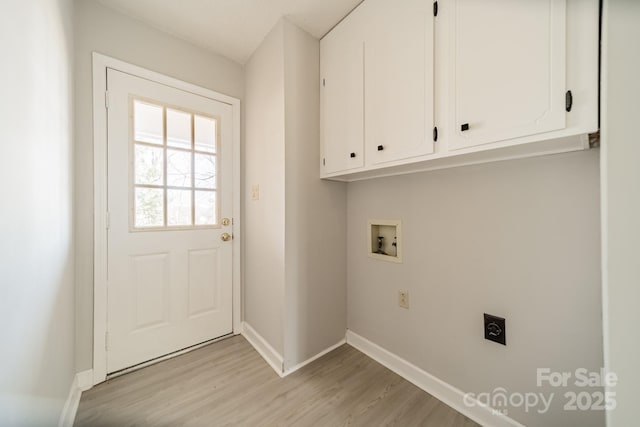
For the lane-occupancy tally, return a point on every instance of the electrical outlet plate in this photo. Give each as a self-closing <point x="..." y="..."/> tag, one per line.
<point x="494" y="329"/>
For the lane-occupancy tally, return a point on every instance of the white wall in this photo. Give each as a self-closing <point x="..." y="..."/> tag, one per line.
<point x="264" y="166"/>
<point x="621" y="204"/>
<point x="518" y="239"/>
<point x="103" y="30"/>
<point x="295" y="272"/>
<point x="36" y="247"/>
<point x="315" y="213"/>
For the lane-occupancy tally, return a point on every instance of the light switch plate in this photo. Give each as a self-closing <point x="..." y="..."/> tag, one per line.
<point x="403" y="298"/>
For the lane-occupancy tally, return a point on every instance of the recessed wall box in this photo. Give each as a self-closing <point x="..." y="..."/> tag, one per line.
<point x="384" y="240"/>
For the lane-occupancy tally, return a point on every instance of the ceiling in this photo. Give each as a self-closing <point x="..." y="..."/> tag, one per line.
<point x="233" y="28"/>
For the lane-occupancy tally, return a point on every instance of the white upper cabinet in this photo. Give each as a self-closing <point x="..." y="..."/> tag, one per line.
<point x="507" y="68"/>
<point x="497" y="79"/>
<point x="398" y="95"/>
<point x="342" y="93"/>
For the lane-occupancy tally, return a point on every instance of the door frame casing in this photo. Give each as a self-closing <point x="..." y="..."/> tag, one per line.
<point x="100" y="65"/>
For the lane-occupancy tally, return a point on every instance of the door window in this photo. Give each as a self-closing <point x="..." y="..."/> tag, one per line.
<point x="174" y="181"/>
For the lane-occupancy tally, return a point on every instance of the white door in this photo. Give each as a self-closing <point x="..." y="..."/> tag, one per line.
<point x="399" y="80"/>
<point x="169" y="191"/>
<point x="508" y="69"/>
<point x="342" y="95"/>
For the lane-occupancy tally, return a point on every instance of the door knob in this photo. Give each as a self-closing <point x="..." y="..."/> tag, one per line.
<point x="226" y="222"/>
<point x="226" y="237"/>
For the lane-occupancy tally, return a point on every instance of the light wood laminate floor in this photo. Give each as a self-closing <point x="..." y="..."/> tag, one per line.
<point x="228" y="384"/>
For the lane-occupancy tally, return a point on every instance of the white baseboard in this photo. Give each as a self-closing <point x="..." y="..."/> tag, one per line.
<point x="317" y="356"/>
<point x="268" y="353"/>
<point x="275" y="359"/>
<point x="439" y="389"/>
<point x="81" y="382"/>
<point x="84" y="380"/>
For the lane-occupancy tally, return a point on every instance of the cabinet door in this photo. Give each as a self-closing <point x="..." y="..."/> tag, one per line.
<point x="342" y="111"/>
<point x="508" y="69"/>
<point x="399" y="79"/>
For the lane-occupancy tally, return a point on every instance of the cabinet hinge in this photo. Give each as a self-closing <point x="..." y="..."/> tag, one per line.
<point x="568" y="101"/>
<point x="107" y="220"/>
<point x="324" y="83"/>
<point x="435" y="134"/>
<point x="435" y="8"/>
<point x="106" y="99"/>
<point x="106" y="341"/>
<point x="324" y="161"/>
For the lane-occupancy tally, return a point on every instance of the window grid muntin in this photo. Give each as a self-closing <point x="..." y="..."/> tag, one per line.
<point x="192" y="151"/>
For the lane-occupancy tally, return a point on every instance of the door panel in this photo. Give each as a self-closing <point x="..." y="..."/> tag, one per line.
<point x="508" y="64"/>
<point x="342" y="92"/>
<point x="150" y="279"/>
<point x="399" y="80"/>
<point x="204" y="273"/>
<point x="169" y="185"/>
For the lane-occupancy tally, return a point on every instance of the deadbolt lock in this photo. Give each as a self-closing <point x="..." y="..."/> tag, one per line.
<point x="226" y="237"/>
<point x="226" y="222"/>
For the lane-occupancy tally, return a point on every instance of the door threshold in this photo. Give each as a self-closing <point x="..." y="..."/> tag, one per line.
<point x="133" y="368"/>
